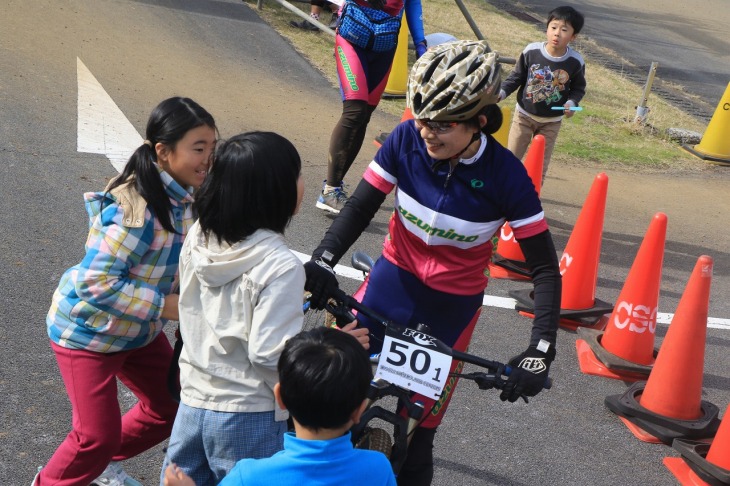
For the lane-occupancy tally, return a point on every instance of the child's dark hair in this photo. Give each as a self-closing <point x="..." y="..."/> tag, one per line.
<point x="569" y="15"/>
<point x="494" y="119"/>
<point x="168" y="124"/>
<point x="252" y="185"/>
<point x="324" y="375"/>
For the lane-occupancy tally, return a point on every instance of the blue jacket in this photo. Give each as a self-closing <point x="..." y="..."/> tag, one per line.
<point x="314" y="463"/>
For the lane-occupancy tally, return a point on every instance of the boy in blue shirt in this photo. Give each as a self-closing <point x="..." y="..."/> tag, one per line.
<point x="547" y="75"/>
<point x="324" y="376"/>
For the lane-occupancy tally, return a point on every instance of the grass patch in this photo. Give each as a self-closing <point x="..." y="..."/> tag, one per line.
<point x="604" y="134"/>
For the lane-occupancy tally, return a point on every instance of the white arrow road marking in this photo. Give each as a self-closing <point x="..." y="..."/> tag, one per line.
<point x="102" y="127"/>
<point x="507" y="302"/>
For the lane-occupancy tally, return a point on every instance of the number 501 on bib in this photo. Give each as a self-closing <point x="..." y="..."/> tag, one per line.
<point x="411" y="360"/>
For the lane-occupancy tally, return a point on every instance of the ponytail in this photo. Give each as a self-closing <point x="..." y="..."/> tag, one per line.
<point x="494" y="119"/>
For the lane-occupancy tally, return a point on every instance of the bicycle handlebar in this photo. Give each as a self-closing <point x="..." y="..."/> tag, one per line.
<point x="346" y="302"/>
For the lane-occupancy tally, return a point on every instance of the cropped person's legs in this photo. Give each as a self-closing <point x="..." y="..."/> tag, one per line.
<point x="150" y="421"/>
<point x="315" y="10"/>
<point x="550" y="132"/>
<point x="520" y="134"/>
<point x="347" y="139"/>
<point x="363" y="76"/>
<point x="91" y="385"/>
<point x="230" y="437"/>
<point x="186" y="447"/>
<point x="417" y="469"/>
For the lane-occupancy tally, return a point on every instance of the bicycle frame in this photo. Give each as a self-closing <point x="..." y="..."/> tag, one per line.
<point x="404" y="424"/>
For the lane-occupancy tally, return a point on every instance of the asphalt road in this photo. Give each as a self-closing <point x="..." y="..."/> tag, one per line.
<point x="219" y="53"/>
<point x="688" y="39"/>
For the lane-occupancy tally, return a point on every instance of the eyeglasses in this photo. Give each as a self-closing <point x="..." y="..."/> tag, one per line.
<point x="436" y="126"/>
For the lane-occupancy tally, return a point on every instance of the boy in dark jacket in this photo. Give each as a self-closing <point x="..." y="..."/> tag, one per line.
<point x="547" y="75"/>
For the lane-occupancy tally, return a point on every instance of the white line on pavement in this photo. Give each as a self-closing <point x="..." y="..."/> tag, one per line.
<point x="507" y="302"/>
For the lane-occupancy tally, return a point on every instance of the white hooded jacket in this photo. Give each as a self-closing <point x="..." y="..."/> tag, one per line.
<point x="238" y="306"/>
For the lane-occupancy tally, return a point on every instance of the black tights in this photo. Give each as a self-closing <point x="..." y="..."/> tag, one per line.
<point x="418" y="467"/>
<point x="347" y="138"/>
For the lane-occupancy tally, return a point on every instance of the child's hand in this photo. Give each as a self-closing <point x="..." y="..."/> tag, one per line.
<point x="169" y="309"/>
<point x="361" y="334"/>
<point x="568" y="111"/>
<point x="174" y="476"/>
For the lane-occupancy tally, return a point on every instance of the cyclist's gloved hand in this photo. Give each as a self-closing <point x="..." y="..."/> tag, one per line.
<point x="321" y="282"/>
<point x="421" y="49"/>
<point x="529" y="372"/>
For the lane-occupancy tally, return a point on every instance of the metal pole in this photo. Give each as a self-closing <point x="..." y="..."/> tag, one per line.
<point x="642" y="110"/>
<point x="303" y="15"/>
<point x="477" y="32"/>
<point x="470" y="20"/>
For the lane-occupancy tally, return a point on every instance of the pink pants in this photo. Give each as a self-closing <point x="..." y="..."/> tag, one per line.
<point x="100" y="433"/>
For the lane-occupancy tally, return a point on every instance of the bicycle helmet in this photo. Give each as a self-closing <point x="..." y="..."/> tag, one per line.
<point x="454" y="81"/>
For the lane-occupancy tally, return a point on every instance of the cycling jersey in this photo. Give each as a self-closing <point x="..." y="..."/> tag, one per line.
<point x="445" y="217"/>
<point x="441" y="229"/>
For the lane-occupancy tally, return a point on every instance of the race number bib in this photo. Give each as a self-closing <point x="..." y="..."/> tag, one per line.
<point x="411" y="360"/>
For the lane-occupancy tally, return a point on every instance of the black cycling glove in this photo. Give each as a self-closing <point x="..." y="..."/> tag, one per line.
<point x="529" y="373"/>
<point x="321" y="282"/>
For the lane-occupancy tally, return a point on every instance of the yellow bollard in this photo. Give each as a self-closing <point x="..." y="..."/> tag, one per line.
<point x="398" y="79"/>
<point x="503" y="133"/>
<point x="715" y="143"/>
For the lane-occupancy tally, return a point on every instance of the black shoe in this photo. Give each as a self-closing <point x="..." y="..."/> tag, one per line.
<point x="305" y="25"/>
<point x="334" y="20"/>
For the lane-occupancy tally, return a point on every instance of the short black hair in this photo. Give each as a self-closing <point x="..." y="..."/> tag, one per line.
<point x="324" y="375"/>
<point x="569" y="15"/>
<point x="252" y="185"/>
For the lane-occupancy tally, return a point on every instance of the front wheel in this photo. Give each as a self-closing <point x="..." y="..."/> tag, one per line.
<point x="315" y="317"/>
<point x="376" y="440"/>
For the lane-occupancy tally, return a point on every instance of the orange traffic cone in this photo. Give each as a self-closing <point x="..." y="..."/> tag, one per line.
<point x="579" y="265"/>
<point x="509" y="261"/>
<point x="657" y="410"/>
<point x="407" y="115"/>
<point x="625" y="350"/>
<point x="534" y="161"/>
<point x="702" y="463"/>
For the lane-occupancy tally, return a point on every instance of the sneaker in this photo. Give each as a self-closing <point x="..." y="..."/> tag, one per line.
<point x="334" y="20"/>
<point x="332" y="201"/>
<point x="35" y="479"/>
<point x="305" y="25"/>
<point x="114" y="475"/>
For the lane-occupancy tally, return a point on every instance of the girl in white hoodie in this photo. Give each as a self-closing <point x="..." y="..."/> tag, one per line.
<point x="240" y="300"/>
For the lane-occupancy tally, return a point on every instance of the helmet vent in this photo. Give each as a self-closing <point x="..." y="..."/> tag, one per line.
<point x="458" y="58"/>
<point x="473" y="67"/>
<point x="438" y="93"/>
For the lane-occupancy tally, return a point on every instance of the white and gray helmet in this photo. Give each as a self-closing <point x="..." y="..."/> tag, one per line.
<point x="454" y="81"/>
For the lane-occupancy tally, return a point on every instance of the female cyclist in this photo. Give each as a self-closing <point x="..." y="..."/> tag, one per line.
<point x="454" y="187"/>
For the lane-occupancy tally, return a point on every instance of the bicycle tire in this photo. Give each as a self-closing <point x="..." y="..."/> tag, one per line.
<point x="376" y="439"/>
<point x="316" y="318"/>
